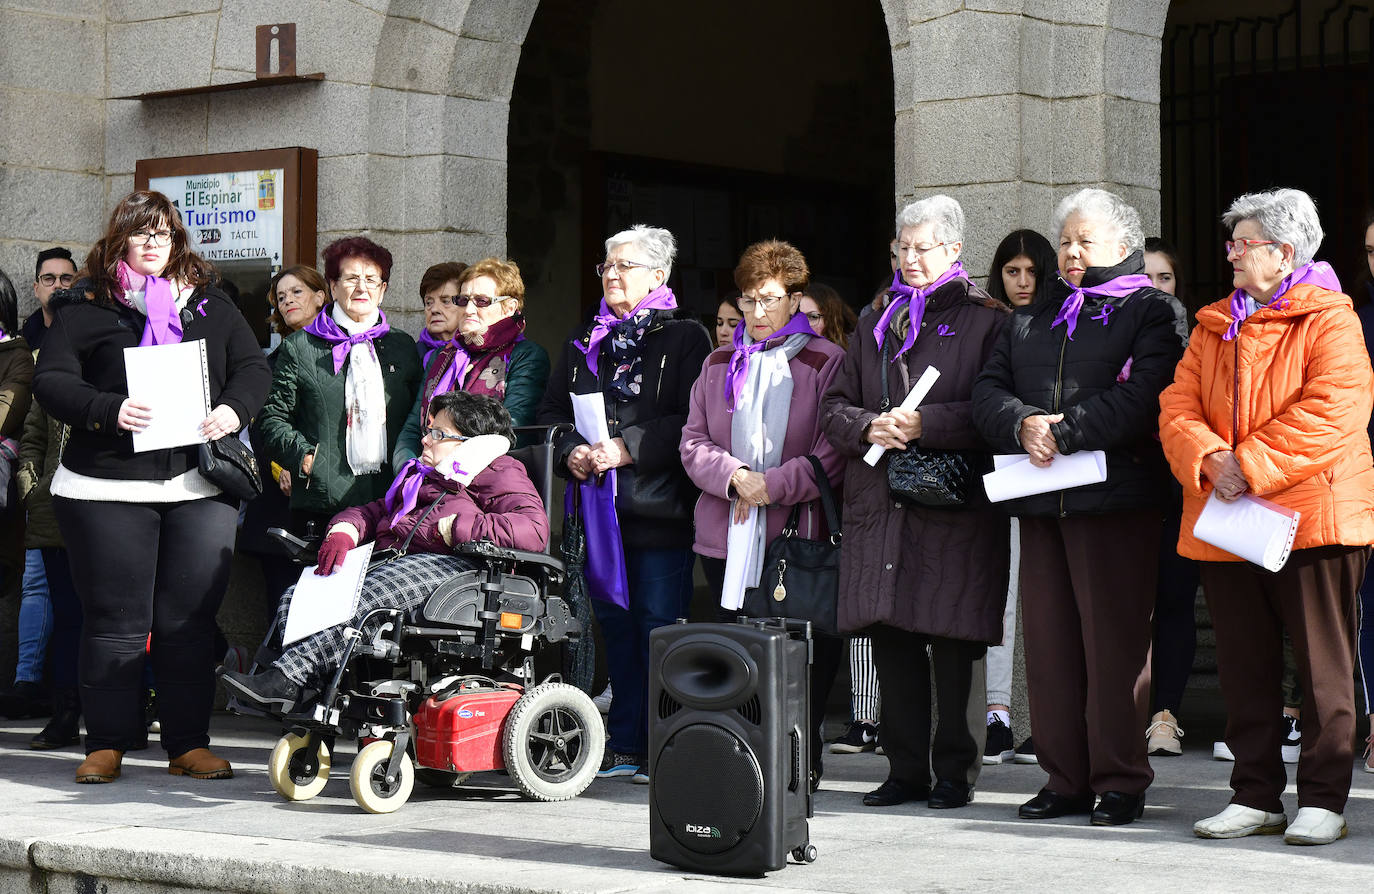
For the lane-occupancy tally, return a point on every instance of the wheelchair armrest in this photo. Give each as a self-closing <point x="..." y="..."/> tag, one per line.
<point x="485" y="549"/>
<point x="302" y="550"/>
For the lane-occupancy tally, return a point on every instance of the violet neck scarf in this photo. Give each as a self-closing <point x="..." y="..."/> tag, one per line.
<point x="738" y="371"/>
<point x="404" y="492"/>
<point x="430" y="342"/>
<point x="498" y="342"/>
<point x="661" y="298"/>
<point x="325" y="327"/>
<point x="915" y="300"/>
<point x="1317" y="273"/>
<point x="162" y="324"/>
<point x="1119" y="287"/>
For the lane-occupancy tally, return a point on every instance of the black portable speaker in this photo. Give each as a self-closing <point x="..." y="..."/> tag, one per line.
<point x="728" y="746"/>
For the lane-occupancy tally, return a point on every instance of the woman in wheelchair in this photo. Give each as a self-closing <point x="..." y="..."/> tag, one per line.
<point x="436" y="514"/>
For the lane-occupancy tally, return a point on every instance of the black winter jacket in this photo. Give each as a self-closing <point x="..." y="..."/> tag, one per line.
<point x="1037" y="370"/>
<point x="655" y="497"/>
<point x="81" y="381"/>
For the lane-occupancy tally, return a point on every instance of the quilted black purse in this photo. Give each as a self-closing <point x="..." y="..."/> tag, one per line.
<point x="934" y="479"/>
<point x="230" y="465"/>
<point x="800" y="577"/>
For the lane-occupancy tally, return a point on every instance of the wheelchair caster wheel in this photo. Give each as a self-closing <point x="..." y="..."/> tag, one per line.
<point x="367" y="779"/>
<point x="296" y="773"/>
<point x="804" y="854"/>
<point x="553" y="742"/>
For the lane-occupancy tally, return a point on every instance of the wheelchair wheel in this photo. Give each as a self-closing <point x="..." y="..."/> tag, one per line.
<point x="367" y="779"/>
<point x="553" y="742"/>
<point x="297" y="774"/>
<point x="439" y="778"/>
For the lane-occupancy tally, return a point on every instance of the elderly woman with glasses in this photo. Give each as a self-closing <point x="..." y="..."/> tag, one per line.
<point x="1083" y="370"/>
<point x="633" y="366"/>
<point x="487" y="352"/>
<point x="914" y="577"/>
<point x="341" y="390"/>
<point x="1272" y="400"/>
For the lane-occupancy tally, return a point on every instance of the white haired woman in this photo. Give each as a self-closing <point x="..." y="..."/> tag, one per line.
<point x="1083" y="371"/>
<point x="914" y="577"/>
<point x="1272" y="399"/>
<point x="641" y="355"/>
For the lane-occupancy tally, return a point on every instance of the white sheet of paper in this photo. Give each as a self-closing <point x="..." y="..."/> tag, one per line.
<point x="740" y="544"/>
<point x="321" y="602"/>
<point x="1250" y="527"/>
<point x="589" y="415"/>
<point x="913" y="398"/>
<point x="1013" y="475"/>
<point x="171" y="380"/>
<point x="472" y="456"/>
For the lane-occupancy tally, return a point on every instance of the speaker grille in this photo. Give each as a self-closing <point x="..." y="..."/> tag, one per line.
<point x="667" y="706"/>
<point x="708" y="788"/>
<point x="751" y="711"/>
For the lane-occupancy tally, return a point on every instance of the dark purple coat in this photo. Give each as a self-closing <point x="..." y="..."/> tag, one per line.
<point x="500" y="505"/>
<point x="941" y="572"/>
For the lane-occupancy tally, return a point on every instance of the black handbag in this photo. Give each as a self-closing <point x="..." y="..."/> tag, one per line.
<point x="230" y="465"/>
<point x="801" y="578"/>
<point x="934" y="479"/>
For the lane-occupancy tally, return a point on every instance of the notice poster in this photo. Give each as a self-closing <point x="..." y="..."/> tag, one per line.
<point x="232" y="216"/>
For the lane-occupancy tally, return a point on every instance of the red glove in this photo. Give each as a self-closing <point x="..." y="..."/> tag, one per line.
<point x="332" y="553"/>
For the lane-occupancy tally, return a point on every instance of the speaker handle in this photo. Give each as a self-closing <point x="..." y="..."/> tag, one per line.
<point x="795" y="781"/>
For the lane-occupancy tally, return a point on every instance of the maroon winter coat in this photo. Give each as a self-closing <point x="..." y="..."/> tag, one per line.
<point x="941" y="572"/>
<point x="500" y="505"/>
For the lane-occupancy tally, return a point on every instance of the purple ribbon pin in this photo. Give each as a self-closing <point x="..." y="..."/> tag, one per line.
<point x="200" y="308"/>
<point x="1104" y="313"/>
<point x="943" y="329"/>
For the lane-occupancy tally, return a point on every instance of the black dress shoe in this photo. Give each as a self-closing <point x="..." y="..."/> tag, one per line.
<point x="1052" y="805"/>
<point x="1118" y="809"/>
<point x="948" y="794"/>
<point x="893" y="792"/>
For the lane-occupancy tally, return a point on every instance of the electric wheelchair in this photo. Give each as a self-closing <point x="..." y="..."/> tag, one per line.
<point x="438" y="693"/>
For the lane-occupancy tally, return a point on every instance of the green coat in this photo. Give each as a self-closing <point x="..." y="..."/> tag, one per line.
<point x="526" y="378"/>
<point x="305" y="413"/>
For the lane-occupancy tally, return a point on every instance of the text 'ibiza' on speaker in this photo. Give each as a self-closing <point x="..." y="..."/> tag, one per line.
<point x="728" y="746"/>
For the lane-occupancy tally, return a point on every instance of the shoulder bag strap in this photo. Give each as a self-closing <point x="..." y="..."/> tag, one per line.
<point x="832" y="513"/>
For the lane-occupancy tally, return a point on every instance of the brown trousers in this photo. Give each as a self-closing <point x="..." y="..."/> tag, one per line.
<point x="1314" y="598"/>
<point x="1087" y="595"/>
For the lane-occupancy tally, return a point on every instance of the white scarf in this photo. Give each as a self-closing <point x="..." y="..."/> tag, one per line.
<point x="364" y="400"/>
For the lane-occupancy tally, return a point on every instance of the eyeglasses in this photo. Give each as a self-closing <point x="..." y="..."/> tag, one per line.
<point x="479" y="300"/>
<point x="769" y="302"/>
<point x="51" y="279"/>
<point x="355" y="282"/>
<point x="1241" y="246"/>
<point x="151" y="237"/>
<point x="815" y="317"/>
<point x="442" y="301"/>
<point x="904" y="250"/>
<point x="622" y="267"/>
<point x="438" y="434"/>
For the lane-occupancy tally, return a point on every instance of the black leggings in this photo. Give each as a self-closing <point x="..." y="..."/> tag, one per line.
<point x="139" y="568"/>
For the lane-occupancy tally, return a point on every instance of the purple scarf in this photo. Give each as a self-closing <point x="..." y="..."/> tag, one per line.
<point x="916" y="298"/>
<point x="500" y="339"/>
<point x="661" y="298"/>
<point x="323" y="326"/>
<point x="404" y="492"/>
<point x="738" y="370"/>
<point x="162" y="324"/>
<point x="1119" y="287"/>
<point x="430" y="342"/>
<point x="1317" y="273"/>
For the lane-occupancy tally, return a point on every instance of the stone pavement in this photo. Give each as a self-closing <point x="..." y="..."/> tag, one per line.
<point x="150" y="833"/>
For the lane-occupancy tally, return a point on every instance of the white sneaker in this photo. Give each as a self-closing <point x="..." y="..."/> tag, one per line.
<point x="1237" y="821"/>
<point x="1315" y="825"/>
<point x="603" y="701"/>
<point x="1222" y="752"/>
<point x="1292" y="739"/>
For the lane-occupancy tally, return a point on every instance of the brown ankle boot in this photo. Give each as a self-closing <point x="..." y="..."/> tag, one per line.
<point x="100" y="766"/>
<point x="201" y="764"/>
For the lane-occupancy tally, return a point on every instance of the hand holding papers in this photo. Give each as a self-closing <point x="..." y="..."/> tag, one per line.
<point x="1249" y="527"/>
<point x="910" y="402"/>
<point x="319" y="603"/>
<point x="173" y="381"/>
<point x="1015" y="476"/>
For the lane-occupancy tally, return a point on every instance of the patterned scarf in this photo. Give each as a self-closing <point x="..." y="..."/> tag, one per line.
<point x="364" y="392"/>
<point x="915" y="300"/>
<point x="481" y="366"/>
<point x="738" y="371"/>
<point x="627" y="380"/>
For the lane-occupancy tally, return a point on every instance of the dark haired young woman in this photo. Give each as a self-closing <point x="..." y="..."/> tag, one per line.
<point x="149" y="538"/>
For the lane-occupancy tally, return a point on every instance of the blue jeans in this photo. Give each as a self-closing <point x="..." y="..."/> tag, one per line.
<point x="35" y="619"/>
<point x="660" y="593"/>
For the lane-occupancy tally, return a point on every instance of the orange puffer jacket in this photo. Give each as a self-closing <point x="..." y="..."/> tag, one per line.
<point x="1292" y="393"/>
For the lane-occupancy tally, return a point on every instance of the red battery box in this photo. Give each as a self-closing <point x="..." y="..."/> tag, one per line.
<point x="460" y="730"/>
